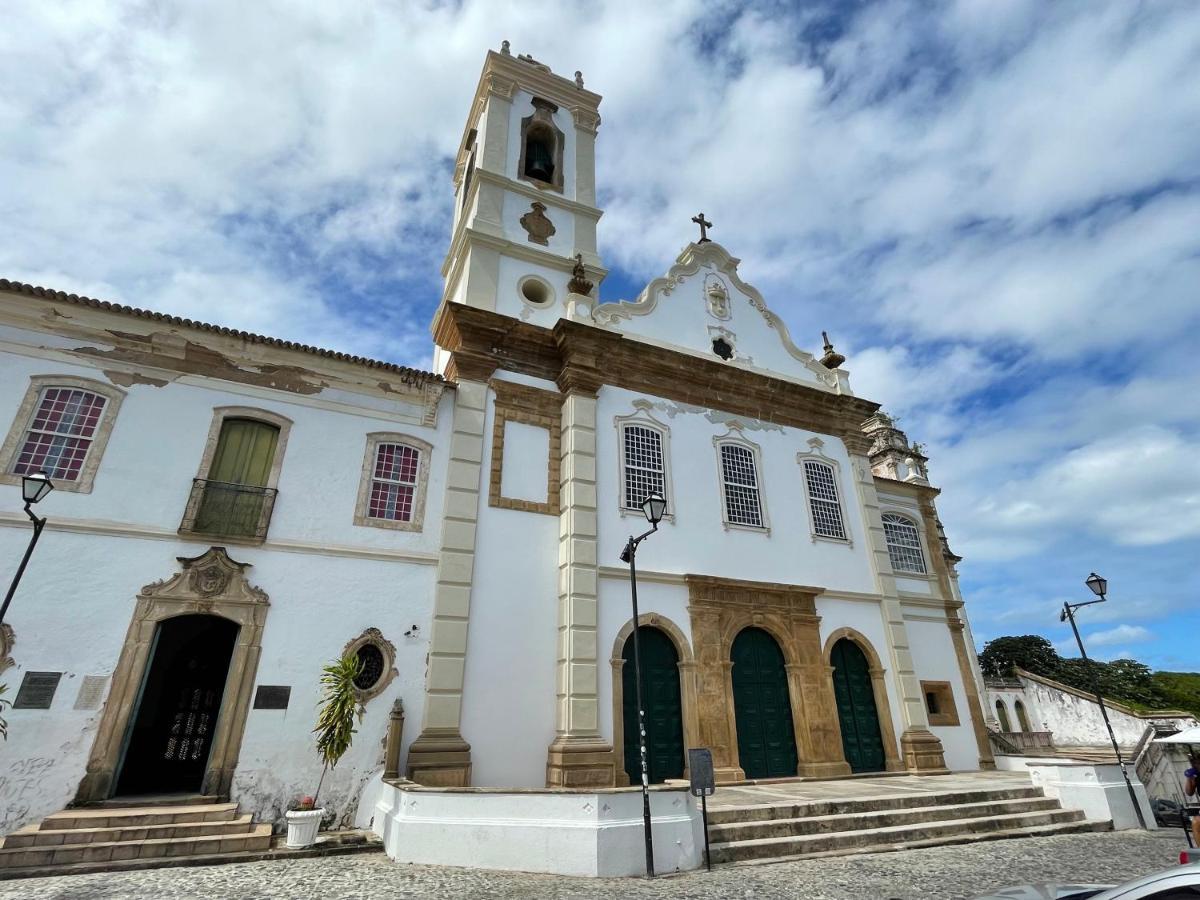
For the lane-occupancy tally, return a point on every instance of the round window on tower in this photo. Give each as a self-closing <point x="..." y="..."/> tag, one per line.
<point x="535" y="291"/>
<point x="376" y="658"/>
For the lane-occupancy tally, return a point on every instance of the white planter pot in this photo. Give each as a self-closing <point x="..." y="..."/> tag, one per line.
<point x="303" y="825"/>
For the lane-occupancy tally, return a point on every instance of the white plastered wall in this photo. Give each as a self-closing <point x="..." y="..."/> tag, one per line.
<point x="935" y="660"/>
<point x="326" y="578"/>
<point x="508" y="695"/>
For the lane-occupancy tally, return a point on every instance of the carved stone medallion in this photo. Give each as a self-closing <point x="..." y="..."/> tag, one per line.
<point x="539" y="228"/>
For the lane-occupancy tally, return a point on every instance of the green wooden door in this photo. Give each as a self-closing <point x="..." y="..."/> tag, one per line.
<point x="233" y="499"/>
<point x="861" y="738"/>
<point x="762" y="707"/>
<point x="664" y="710"/>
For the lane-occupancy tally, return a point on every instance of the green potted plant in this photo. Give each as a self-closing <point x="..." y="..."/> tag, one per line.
<point x="337" y="715"/>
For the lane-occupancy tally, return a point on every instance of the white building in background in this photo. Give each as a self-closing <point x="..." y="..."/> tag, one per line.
<point x="233" y="511"/>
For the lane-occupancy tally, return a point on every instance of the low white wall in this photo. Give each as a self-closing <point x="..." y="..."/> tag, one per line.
<point x="597" y="834"/>
<point x="1098" y="790"/>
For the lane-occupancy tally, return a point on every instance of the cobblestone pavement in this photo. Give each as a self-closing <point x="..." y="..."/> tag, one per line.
<point x="943" y="873"/>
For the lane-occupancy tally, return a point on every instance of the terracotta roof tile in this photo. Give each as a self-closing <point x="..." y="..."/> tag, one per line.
<point x="411" y="376"/>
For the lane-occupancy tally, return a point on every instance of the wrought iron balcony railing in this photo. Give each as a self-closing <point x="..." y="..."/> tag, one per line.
<point x="225" y="510"/>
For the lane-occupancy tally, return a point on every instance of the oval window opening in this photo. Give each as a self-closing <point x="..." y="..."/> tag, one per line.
<point x="535" y="291"/>
<point x="370" y="658"/>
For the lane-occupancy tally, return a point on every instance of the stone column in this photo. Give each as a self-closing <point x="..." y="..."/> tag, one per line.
<point x="942" y="561"/>
<point x="578" y="757"/>
<point x="920" y="748"/>
<point x="440" y="756"/>
<point x="587" y="122"/>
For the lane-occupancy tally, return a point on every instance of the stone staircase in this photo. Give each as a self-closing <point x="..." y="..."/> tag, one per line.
<point x="765" y="832"/>
<point x="154" y="830"/>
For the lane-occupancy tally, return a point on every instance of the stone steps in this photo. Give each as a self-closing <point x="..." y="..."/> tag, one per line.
<point x="138" y="816"/>
<point x="803" y="845"/>
<point x="864" y="821"/>
<point x="891" y="801"/>
<point x="36" y="836"/>
<point x="954" y="840"/>
<point x="158" y="830"/>
<point x="259" y="838"/>
<point x="766" y="832"/>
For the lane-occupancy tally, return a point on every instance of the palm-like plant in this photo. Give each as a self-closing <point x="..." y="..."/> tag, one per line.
<point x="338" y="713"/>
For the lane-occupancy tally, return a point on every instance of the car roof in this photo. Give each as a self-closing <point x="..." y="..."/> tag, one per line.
<point x="1178" y="876"/>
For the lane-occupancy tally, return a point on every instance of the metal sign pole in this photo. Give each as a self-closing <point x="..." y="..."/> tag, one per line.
<point x="703" y="783"/>
<point x="704" y="814"/>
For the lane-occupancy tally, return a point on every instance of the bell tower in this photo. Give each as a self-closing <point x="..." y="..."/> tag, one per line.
<point x="525" y="192"/>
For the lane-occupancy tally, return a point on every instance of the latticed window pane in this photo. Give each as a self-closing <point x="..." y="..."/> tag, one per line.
<point x="903" y="543"/>
<point x="644" y="470"/>
<point x="742" y="506"/>
<point x="823" y="500"/>
<point x="394" y="485"/>
<point x="61" y="433"/>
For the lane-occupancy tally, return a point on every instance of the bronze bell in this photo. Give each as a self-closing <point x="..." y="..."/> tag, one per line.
<point x="539" y="165"/>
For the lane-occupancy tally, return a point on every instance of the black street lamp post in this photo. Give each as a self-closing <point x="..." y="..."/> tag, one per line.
<point x="1099" y="587"/>
<point x="33" y="488"/>
<point x="653" y="506"/>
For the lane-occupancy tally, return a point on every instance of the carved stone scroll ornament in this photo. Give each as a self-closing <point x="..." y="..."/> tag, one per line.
<point x="539" y="228"/>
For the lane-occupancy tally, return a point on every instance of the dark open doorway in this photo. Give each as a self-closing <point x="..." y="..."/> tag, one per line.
<point x="173" y="724"/>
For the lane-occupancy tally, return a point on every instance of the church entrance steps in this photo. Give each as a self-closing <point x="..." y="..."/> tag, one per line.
<point x="870" y="821"/>
<point x="864" y="815"/>
<point x="109" y="834"/>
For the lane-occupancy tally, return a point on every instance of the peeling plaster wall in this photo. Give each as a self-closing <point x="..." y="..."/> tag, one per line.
<point x="326" y="578"/>
<point x="1074" y="720"/>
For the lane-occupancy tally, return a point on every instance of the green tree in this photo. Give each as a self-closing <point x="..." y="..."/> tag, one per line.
<point x="1180" y="690"/>
<point x="1030" y="652"/>
<point x="338" y="713"/>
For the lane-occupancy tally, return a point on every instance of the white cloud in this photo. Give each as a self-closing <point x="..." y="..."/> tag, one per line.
<point x="1121" y="634"/>
<point x="993" y="208"/>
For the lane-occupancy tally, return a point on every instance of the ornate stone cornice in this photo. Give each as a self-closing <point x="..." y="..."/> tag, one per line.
<point x="578" y="356"/>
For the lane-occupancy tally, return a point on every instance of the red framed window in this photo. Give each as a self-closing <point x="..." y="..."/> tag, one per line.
<point x="61" y="434"/>
<point x="394" y="482"/>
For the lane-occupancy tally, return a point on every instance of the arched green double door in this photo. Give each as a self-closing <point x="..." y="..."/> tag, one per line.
<point x="664" y="710"/>
<point x="762" y="707"/>
<point x="862" y="741"/>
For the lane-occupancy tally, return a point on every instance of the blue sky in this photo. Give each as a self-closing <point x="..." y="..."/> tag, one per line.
<point x="993" y="207"/>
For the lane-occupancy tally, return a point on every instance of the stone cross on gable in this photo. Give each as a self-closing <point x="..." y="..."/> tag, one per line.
<point x="704" y="226"/>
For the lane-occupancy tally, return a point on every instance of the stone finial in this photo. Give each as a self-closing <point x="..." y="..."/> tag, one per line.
<point x="579" y="283"/>
<point x="505" y="48"/>
<point x="579" y="80"/>
<point x="891" y="455"/>
<point x="831" y="359"/>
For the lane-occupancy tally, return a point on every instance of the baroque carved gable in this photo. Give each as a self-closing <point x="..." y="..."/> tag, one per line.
<point x="209" y="578"/>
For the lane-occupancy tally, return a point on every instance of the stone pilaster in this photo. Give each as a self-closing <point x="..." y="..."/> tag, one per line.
<point x="942" y="560"/>
<point x="920" y="748"/>
<point x="578" y="757"/>
<point x="440" y="756"/>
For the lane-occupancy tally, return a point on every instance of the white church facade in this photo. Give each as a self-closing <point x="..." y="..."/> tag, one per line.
<point x="233" y="511"/>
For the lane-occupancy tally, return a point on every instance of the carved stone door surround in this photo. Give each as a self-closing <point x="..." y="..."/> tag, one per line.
<point x="211" y="584"/>
<point x="722" y="607"/>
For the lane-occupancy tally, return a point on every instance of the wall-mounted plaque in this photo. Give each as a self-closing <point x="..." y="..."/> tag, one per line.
<point x="272" y="696"/>
<point x="90" y="692"/>
<point x="37" y="690"/>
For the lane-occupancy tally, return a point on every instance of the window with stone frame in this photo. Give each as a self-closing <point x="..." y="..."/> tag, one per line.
<point x="394" y="482"/>
<point x="61" y="428"/>
<point x="823" y="502"/>
<point x="61" y="433"/>
<point x="394" y="477"/>
<point x="645" y="466"/>
<point x="904" y="544"/>
<point x="739" y="474"/>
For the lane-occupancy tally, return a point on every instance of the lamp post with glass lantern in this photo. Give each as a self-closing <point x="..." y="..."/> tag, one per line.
<point x="1099" y="587"/>
<point x="33" y="489"/>
<point x="653" y="507"/>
